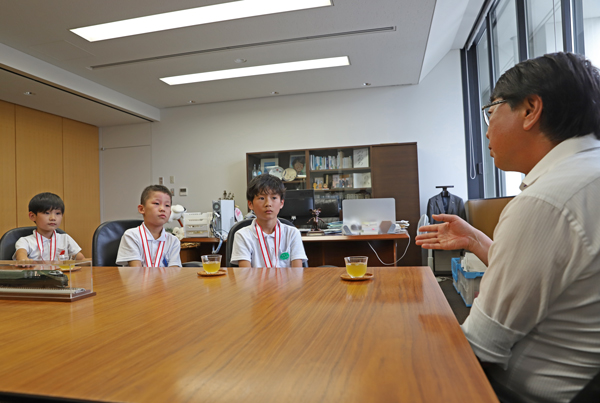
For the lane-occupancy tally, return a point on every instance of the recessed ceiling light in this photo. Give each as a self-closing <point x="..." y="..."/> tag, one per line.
<point x="258" y="70"/>
<point x="29" y="93"/>
<point x="240" y="60"/>
<point x="366" y="84"/>
<point x="191" y="102"/>
<point x="194" y="16"/>
<point x="274" y="93"/>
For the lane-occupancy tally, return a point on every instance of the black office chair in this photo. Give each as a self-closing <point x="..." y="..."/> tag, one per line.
<point x="107" y="238"/>
<point x="106" y="241"/>
<point x="8" y="240"/>
<point x="236" y="227"/>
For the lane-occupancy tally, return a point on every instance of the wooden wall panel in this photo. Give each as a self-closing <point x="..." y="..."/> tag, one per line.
<point x="8" y="198"/>
<point x="39" y="157"/>
<point x="395" y="171"/>
<point x="82" y="182"/>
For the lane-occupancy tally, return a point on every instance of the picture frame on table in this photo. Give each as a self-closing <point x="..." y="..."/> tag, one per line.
<point x="266" y="163"/>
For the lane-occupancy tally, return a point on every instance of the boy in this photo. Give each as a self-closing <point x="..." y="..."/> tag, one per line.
<point x="46" y="211"/>
<point x="266" y="242"/>
<point x="149" y="245"/>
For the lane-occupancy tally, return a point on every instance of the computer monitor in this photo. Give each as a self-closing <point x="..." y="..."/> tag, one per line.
<point x="297" y="205"/>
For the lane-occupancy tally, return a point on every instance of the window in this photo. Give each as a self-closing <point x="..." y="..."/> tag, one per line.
<point x="505" y="41"/>
<point x="483" y="70"/>
<point x="591" y="30"/>
<point x="544" y="26"/>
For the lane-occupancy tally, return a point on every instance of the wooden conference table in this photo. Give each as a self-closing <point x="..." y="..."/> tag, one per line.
<point x="325" y="249"/>
<point x="254" y="335"/>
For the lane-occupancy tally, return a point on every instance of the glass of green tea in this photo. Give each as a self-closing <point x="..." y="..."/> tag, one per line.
<point x="356" y="266"/>
<point x="211" y="263"/>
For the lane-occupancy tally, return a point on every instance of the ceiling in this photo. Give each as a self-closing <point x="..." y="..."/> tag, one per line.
<point x="116" y="81"/>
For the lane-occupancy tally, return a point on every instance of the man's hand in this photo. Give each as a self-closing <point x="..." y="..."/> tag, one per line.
<point x="454" y="233"/>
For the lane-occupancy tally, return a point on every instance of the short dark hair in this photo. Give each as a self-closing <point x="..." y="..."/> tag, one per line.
<point x="569" y="86"/>
<point x="265" y="184"/>
<point x="154" y="188"/>
<point x="46" y="201"/>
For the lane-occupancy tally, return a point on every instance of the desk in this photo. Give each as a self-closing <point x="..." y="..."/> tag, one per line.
<point x="255" y="335"/>
<point x="325" y="249"/>
<point x="331" y="249"/>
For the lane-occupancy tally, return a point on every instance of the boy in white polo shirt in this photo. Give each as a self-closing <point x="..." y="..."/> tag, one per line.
<point x="149" y="245"/>
<point x="46" y="211"/>
<point x="267" y="242"/>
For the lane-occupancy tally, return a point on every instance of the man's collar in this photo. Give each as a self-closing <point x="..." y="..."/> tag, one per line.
<point x="562" y="151"/>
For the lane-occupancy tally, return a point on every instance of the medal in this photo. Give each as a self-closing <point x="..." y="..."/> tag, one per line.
<point x="40" y="242"/>
<point x="146" y="246"/>
<point x="264" y="248"/>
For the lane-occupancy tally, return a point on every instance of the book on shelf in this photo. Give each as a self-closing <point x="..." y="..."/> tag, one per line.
<point x="320" y="162"/>
<point x="342" y="181"/>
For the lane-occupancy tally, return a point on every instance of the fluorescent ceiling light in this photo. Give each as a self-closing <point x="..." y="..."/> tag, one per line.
<point x="194" y="16"/>
<point x="258" y="70"/>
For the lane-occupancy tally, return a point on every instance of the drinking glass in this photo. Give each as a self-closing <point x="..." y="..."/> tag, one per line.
<point x="211" y="263"/>
<point x="356" y="266"/>
<point x="63" y="263"/>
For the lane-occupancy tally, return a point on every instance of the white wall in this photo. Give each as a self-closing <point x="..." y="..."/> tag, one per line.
<point x="204" y="146"/>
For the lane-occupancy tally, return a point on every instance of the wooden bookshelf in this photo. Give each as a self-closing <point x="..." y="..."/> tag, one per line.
<point x="394" y="173"/>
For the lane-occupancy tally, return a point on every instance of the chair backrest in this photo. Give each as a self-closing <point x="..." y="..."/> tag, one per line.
<point x="106" y="241"/>
<point x="8" y="240"/>
<point x="237" y="226"/>
<point x="483" y="214"/>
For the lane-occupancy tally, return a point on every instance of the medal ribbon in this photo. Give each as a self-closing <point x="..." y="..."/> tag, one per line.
<point x="264" y="247"/>
<point x="40" y="243"/>
<point x="146" y="246"/>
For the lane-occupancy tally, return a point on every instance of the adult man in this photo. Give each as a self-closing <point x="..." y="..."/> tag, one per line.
<point x="537" y="315"/>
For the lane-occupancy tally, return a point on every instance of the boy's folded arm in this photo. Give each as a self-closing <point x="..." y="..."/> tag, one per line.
<point x="244" y="263"/>
<point x="134" y="263"/>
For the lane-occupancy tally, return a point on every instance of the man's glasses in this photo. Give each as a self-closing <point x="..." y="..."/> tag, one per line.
<point x="486" y="110"/>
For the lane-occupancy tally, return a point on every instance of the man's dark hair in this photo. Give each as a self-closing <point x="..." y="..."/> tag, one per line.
<point x="46" y="201"/>
<point x="569" y="86"/>
<point x="265" y="184"/>
<point x="155" y="188"/>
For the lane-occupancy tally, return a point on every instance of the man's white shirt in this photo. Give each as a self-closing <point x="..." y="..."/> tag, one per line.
<point x="538" y="311"/>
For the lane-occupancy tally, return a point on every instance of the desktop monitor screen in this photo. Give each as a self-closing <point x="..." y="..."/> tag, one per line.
<point x="298" y="203"/>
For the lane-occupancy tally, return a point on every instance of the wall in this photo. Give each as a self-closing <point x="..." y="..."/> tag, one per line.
<point x="204" y="146"/>
<point x="47" y="153"/>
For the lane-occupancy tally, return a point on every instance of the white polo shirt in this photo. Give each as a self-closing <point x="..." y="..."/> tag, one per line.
<point x="246" y="246"/>
<point x="64" y="245"/>
<point x="132" y="248"/>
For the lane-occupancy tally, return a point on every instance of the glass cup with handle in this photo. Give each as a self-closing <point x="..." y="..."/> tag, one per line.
<point x="211" y="263"/>
<point x="356" y="266"/>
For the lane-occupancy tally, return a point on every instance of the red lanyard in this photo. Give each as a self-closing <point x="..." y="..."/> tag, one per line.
<point x="146" y="246"/>
<point x="264" y="247"/>
<point x="40" y="243"/>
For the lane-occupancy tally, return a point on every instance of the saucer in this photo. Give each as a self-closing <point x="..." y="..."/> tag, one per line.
<point x="221" y="272"/>
<point x="347" y="277"/>
<point x="72" y="268"/>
